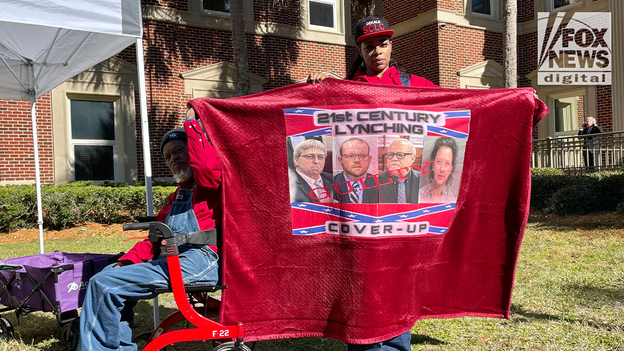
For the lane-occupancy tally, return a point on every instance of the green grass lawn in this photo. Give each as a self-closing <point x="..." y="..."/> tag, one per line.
<point x="568" y="295"/>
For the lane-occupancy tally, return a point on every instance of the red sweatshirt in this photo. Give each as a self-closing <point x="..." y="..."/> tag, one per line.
<point x="206" y="166"/>
<point x="391" y="77"/>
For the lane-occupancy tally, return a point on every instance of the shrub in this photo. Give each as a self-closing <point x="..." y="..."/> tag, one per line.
<point x="546" y="171"/>
<point x="566" y="194"/>
<point x="545" y="182"/>
<point x="157" y="183"/>
<point x="76" y="202"/>
<point x="18" y="207"/>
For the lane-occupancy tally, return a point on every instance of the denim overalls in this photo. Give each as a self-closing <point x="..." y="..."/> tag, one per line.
<point x="106" y="318"/>
<point x="181" y="219"/>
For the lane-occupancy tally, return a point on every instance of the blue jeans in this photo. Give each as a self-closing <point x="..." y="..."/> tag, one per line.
<point x="107" y="316"/>
<point x="398" y="343"/>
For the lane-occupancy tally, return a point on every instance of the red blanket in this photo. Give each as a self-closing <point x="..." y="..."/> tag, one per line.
<point x="356" y="289"/>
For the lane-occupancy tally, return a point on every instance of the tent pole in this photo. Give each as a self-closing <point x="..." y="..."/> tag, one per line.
<point x="147" y="160"/>
<point x="144" y="127"/>
<point x="33" y="107"/>
<point x="37" y="174"/>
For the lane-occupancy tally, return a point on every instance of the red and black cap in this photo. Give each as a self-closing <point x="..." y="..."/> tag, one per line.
<point x="371" y="27"/>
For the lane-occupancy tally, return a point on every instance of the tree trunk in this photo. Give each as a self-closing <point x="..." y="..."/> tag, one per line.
<point x="362" y="8"/>
<point x="240" y="46"/>
<point x="510" y="18"/>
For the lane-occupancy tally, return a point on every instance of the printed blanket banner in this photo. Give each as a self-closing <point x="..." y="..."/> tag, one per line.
<point x="352" y="210"/>
<point x="393" y="169"/>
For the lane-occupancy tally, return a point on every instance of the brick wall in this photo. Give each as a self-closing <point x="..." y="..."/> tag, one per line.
<point x="289" y="14"/>
<point x="17" y="163"/>
<point x="397" y="11"/>
<point x="417" y="53"/>
<point x="527" y="57"/>
<point x="438" y="54"/>
<point x="449" y="57"/>
<point x="605" y="113"/>
<point x="473" y="46"/>
<point x="526" y="10"/>
<point x="581" y="111"/>
<point x="452" y="5"/>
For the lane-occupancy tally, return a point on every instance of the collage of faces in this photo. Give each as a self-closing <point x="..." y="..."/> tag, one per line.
<point x="375" y="169"/>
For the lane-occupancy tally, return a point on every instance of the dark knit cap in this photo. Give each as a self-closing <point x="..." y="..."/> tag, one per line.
<point x="174" y="134"/>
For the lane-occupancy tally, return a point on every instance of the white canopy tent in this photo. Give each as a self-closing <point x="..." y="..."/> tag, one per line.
<point x="45" y="42"/>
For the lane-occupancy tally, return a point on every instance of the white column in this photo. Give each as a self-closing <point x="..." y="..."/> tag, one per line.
<point x="617" y="70"/>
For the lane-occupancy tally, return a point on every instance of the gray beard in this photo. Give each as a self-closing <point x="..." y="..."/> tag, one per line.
<point x="184" y="175"/>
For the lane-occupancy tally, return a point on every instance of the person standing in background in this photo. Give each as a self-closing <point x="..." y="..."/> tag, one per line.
<point x="591" y="146"/>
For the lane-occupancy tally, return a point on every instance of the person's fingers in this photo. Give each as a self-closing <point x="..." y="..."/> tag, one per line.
<point x="119" y="264"/>
<point x="190" y="113"/>
<point x="315" y="77"/>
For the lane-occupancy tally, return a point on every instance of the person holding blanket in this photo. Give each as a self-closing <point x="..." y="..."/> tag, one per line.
<point x="375" y="64"/>
<point x="195" y="206"/>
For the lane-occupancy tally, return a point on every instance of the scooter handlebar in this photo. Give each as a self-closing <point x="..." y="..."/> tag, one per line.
<point x="136" y="226"/>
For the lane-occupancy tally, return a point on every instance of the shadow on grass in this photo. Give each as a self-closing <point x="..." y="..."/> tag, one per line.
<point x="144" y="315"/>
<point x="563" y="226"/>
<point x="520" y="315"/>
<point x="610" y="220"/>
<point x="419" y="339"/>
<point x="592" y="295"/>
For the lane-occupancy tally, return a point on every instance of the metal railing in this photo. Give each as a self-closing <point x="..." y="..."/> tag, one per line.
<point x="580" y="154"/>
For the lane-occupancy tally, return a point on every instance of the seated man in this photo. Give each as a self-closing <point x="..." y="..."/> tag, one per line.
<point x="107" y="316"/>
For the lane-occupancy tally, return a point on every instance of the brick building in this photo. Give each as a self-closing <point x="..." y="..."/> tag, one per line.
<point x="188" y="54"/>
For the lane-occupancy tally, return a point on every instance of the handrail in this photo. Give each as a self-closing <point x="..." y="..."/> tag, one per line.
<point x="579" y="154"/>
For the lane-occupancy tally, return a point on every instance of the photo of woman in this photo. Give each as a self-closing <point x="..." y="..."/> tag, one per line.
<point x="443" y="173"/>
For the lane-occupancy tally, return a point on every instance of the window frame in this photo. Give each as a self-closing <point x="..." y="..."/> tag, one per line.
<point x="550" y="6"/>
<point x="558" y="95"/>
<point x="492" y="10"/>
<point x="334" y="3"/>
<point x="212" y="12"/>
<point x="94" y="142"/>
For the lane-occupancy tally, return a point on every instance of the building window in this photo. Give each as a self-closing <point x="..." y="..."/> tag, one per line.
<point x="569" y="113"/>
<point x="562" y="3"/>
<point x="322" y="13"/>
<point x="216" y="5"/>
<point x="483" y="7"/>
<point x="93" y="142"/>
<point x="557" y="5"/>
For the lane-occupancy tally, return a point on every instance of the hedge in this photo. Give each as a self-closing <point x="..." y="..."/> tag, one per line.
<point x="553" y="191"/>
<point x="68" y="204"/>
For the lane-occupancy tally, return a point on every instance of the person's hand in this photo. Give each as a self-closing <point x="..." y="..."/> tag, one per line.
<point x="120" y="264"/>
<point x="190" y="113"/>
<point x="315" y="77"/>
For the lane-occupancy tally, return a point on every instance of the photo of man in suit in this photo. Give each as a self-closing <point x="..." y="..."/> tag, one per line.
<point x="311" y="183"/>
<point x="355" y="159"/>
<point x="403" y="180"/>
